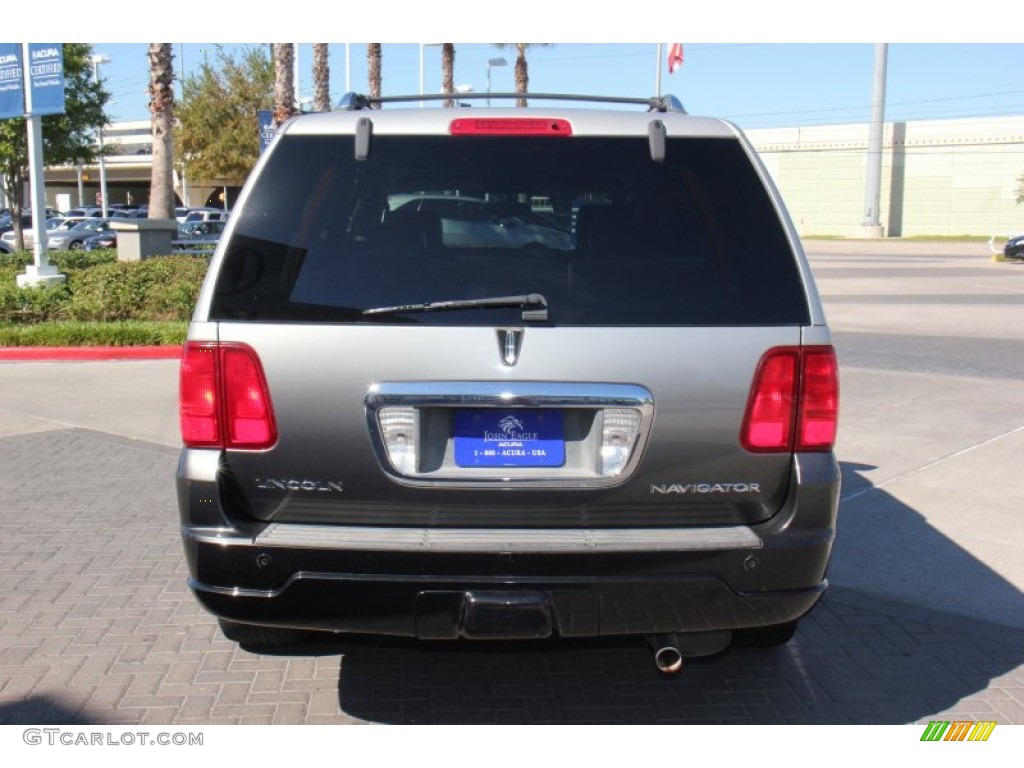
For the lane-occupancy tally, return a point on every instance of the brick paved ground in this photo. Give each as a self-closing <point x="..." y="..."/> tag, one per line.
<point x="97" y="626"/>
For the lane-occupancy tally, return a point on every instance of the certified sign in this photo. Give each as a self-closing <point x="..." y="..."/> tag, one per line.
<point x="267" y="130"/>
<point x="12" y="81"/>
<point x="46" y="78"/>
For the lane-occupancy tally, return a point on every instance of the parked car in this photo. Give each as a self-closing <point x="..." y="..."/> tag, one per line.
<point x="1014" y="248"/>
<point x="205" y="214"/>
<point x="201" y="230"/>
<point x="199" y="236"/>
<point x="53" y="225"/>
<point x="124" y="211"/>
<point x="7" y="227"/>
<point x="84" y="212"/>
<point x="7" y="221"/>
<point x="390" y="431"/>
<point x="74" y="238"/>
<point x="104" y="239"/>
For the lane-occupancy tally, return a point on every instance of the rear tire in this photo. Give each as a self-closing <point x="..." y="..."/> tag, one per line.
<point x="76" y="246"/>
<point x="767" y="637"/>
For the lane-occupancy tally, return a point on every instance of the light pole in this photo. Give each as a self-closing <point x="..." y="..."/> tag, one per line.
<point x="871" y="226"/>
<point x="97" y="59"/>
<point x="498" y="62"/>
<point x="422" y="82"/>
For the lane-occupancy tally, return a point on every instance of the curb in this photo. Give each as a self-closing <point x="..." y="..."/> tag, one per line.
<point x="66" y="354"/>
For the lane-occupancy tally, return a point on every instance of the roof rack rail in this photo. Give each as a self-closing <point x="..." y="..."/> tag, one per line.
<point x="666" y="103"/>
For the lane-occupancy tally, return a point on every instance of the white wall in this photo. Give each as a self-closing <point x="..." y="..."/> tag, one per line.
<point x="939" y="177"/>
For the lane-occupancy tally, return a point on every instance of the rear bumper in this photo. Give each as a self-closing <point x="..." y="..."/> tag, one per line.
<point x="436" y="584"/>
<point x="516" y="608"/>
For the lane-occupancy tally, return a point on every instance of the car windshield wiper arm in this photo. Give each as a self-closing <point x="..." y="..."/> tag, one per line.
<point x="535" y="306"/>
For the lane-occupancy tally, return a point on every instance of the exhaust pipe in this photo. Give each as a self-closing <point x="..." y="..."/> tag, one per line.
<point x="667" y="656"/>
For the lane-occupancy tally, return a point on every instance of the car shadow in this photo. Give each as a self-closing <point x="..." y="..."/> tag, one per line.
<point x="863" y="656"/>
<point x="44" y="710"/>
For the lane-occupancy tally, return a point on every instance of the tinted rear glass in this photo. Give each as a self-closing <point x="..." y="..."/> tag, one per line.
<point x="605" y="234"/>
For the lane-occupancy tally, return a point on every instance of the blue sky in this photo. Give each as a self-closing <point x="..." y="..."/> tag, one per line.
<point x="789" y="62"/>
<point x="754" y="84"/>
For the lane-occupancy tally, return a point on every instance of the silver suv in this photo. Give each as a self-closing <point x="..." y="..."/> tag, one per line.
<point x="510" y="373"/>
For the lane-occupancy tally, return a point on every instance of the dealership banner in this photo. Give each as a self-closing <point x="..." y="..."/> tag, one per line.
<point x="12" y="81"/>
<point x="46" y="72"/>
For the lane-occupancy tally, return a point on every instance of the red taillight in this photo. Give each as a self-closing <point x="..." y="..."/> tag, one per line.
<point x="510" y="126"/>
<point x="819" y="400"/>
<point x="794" y="401"/>
<point x="768" y="424"/>
<point x="224" y="398"/>
<point x="198" y="397"/>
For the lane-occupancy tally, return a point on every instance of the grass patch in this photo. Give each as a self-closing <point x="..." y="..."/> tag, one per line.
<point x="127" y="333"/>
<point x="948" y="238"/>
<point x="911" y="238"/>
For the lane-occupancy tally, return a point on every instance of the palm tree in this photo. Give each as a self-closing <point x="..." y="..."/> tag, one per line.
<point x="448" y="71"/>
<point x="522" y="70"/>
<point x="321" y="78"/>
<point x="374" y="56"/>
<point x="284" y="82"/>
<point x="161" y="108"/>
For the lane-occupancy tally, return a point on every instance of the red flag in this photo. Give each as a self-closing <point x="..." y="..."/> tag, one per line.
<point x="675" y="57"/>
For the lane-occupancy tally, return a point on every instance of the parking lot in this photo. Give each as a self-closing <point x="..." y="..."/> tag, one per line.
<point x="924" y="619"/>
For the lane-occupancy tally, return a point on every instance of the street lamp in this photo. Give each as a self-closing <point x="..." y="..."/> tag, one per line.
<point x="97" y="59"/>
<point x="498" y="62"/>
<point x="460" y="89"/>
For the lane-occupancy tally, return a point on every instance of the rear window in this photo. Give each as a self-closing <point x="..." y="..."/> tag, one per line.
<point x="603" y="233"/>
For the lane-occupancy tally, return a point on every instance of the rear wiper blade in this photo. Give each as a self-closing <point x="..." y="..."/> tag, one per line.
<point x="535" y="306"/>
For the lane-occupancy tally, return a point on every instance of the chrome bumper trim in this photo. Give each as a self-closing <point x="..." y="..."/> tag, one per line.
<point x="502" y="540"/>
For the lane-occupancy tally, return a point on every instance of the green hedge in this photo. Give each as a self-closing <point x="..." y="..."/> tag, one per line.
<point x="103" y="301"/>
<point x="131" y="333"/>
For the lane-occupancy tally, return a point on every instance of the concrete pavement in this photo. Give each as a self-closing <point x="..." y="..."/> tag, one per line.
<point x="924" y="620"/>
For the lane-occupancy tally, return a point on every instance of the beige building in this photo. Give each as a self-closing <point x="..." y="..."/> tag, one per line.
<point x="939" y="177"/>
<point x="129" y="165"/>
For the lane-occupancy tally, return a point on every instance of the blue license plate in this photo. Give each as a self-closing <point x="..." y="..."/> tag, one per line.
<point x="512" y="438"/>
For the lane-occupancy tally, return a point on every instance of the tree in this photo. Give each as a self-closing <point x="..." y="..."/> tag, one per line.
<point x="1020" y="189"/>
<point x="67" y="138"/>
<point x="321" y="78"/>
<point x="284" y="82"/>
<point x="448" y="71"/>
<point x="161" y="109"/>
<point x="374" y="56"/>
<point x="522" y="70"/>
<point x="218" y="132"/>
